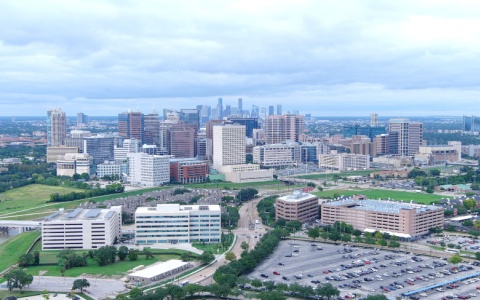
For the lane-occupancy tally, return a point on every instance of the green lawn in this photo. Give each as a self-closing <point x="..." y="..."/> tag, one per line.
<point x="28" y="196"/>
<point x="329" y="176"/>
<point x="384" y="194"/>
<point x="117" y="269"/>
<point x="11" y="250"/>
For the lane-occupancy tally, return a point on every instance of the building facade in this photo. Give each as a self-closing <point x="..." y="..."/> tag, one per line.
<point x="148" y="170"/>
<point x="228" y="145"/>
<point x="282" y="128"/>
<point x="82" y="228"/>
<point x="406" y="220"/>
<point x="177" y="224"/>
<point x="188" y="170"/>
<point x="56" y="127"/>
<point x="344" y="161"/>
<point x="100" y="148"/>
<point x="131" y="125"/>
<point x="74" y="163"/>
<point x="298" y="206"/>
<point x="277" y="155"/>
<point x="410" y="136"/>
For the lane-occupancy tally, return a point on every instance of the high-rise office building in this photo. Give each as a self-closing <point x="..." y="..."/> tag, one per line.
<point x="240" y="106"/>
<point x="271" y="110"/>
<point x="282" y="128"/>
<point x="471" y="124"/>
<point x="82" y="119"/>
<point x="220" y="109"/>
<point x="148" y="170"/>
<point x="279" y="109"/>
<point x="228" y="145"/>
<point x="250" y="124"/>
<point x="152" y="129"/>
<point x="190" y="116"/>
<point x="181" y="138"/>
<point x="410" y="135"/>
<point x="99" y="148"/>
<point x="373" y="119"/>
<point x="131" y="125"/>
<point x="56" y="127"/>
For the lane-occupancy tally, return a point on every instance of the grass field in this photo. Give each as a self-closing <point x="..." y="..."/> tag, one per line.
<point x="28" y="196"/>
<point x="11" y="250"/>
<point x="329" y="176"/>
<point x="119" y="268"/>
<point x="383" y="194"/>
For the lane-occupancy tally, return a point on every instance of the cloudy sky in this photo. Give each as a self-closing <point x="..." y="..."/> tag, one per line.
<point x="328" y="58"/>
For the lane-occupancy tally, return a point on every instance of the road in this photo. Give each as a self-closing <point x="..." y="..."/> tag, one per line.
<point x="247" y="231"/>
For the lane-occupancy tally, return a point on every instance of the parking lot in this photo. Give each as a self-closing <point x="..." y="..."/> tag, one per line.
<point x="361" y="271"/>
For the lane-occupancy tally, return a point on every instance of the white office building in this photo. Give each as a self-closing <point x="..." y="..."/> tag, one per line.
<point x="81" y="228"/>
<point x="74" y="163"/>
<point x="148" y="170"/>
<point x="229" y="145"/>
<point x="344" y="161"/>
<point x="277" y="155"/>
<point x="175" y="223"/>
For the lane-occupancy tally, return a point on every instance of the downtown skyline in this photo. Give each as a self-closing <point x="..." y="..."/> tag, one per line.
<point x="347" y="58"/>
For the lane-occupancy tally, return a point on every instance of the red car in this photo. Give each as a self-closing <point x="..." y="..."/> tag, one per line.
<point x="276" y="273"/>
<point x="325" y="272"/>
<point x="410" y="283"/>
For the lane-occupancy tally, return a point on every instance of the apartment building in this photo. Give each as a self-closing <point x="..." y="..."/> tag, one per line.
<point x="228" y="145"/>
<point x="176" y="224"/>
<point x="282" y="128"/>
<point x="81" y="228"/>
<point x="410" y="135"/>
<point x="297" y="206"/>
<point x="405" y="220"/>
<point x="56" y="127"/>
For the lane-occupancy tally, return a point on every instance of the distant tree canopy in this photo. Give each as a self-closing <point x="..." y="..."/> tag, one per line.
<point x="109" y="189"/>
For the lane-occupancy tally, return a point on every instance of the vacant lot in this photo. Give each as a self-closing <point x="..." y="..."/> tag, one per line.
<point x="28" y="196"/>
<point x="383" y="194"/>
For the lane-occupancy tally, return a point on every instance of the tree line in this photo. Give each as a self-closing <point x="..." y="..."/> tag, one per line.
<point x="109" y="189"/>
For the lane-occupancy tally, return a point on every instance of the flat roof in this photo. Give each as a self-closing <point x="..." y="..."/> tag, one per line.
<point x="297" y="196"/>
<point x="172" y="208"/>
<point x="158" y="269"/>
<point x="403" y="235"/>
<point x="462" y="218"/>
<point x="381" y="205"/>
<point x="81" y="214"/>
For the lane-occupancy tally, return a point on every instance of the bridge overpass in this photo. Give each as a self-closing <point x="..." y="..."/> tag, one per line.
<point x="21" y="225"/>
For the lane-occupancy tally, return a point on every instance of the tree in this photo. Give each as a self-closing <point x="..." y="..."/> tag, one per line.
<point x="477" y="255"/>
<point x="434" y="172"/>
<point x="244" y="245"/>
<point x="185" y="256"/>
<point x="26" y="260"/>
<point x="133" y="255"/>
<point x="455" y="259"/>
<point x="327" y="290"/>
<point x="256" y="283"/>
<point x="311" y="184"/>
<point x="206" y="257"/>
<point x="272" y="295"/>
<point x="246" y="194"/>
<point x="122" y="253"/>
<point x="148" y="254"/>
<point x="192" y="289"/>
<point x="17" y="278"/>
<point x="467" y="223"/>
<point x="36" y="258"/>
<point x="80" y="284"/>
<point x="313" y="233"/>
<point x="230" y="256"/>
<point x="219" y="290"/>
<point x="469" y="203"/>
<point x="376" y="297"/>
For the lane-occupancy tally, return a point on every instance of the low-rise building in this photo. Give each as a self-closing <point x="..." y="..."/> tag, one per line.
<point x="433" y="155"/>
<point x="74" y="163"/>
<point x="158" y="271"/>
<point x="344" y="161"/>
<point x="245" y="173"/>
<point x="148" y="170"/>
<point x="277" y="155"/>
<point x="188" y="170"/>
<point x="54" y="152"/>
<point x="298" y="206"/>
<point x="177" y="224"/>
<point x="81" y="228"/>
<point x="405" y="220"/>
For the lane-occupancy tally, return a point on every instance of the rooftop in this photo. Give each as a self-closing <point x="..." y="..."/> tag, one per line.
<point x="172" y="208"/>
<point x="158" y="269"/>
<point x="81" y="214"/>
<point x="381" y="205"/>
<point x="297" y="196"/>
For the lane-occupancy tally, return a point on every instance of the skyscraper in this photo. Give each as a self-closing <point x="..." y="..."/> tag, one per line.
<point x="181" y="138"/>
<point x="152" y="129"/>
<point x="471" y="124"/>
<point x="228" y="145"/>
<point x="220" y="109"/>
<point x="56" y="127"/>
<point x="279" y="109"/>
<point x="131" y="125"/>
<point x="271" y="110"/>
<point x="410" y="135"/>
<point x="373" y="119"/>
<point x="82" y="119"/>
<point x="282" y="128"/>
<point x="240" y="106"/>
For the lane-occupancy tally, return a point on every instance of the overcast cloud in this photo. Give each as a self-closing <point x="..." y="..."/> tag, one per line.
<point x="322" y="57"/>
